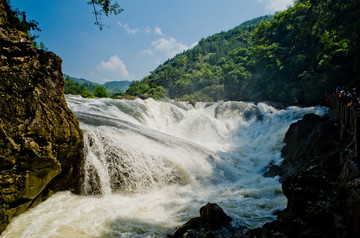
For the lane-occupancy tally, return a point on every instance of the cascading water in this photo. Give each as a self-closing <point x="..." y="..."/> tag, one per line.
<point x="151" y="165"/>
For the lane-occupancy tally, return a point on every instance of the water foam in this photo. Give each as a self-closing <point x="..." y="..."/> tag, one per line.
<point x="154" y="164"/>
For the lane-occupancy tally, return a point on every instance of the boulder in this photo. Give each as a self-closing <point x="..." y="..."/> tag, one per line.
<point x="41" y="144"/>
<point x="212" y="218"/>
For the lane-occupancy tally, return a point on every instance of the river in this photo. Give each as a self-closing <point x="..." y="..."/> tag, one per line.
<point x="151" y="165"/>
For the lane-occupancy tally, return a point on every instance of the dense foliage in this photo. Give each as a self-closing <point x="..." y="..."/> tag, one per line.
<point x="306" y="51"/>
<point x="74" y="88"/>
<point x="295" y="56"/>
<point x="17" y="19"/>
<point x="100" y="91"/>
<point x="198" y="68"/>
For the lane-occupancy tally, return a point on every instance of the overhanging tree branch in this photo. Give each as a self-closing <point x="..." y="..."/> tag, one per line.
<point x="106" y="7"/>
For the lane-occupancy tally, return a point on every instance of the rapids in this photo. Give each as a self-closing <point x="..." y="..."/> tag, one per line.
<point x="151" y="165"/>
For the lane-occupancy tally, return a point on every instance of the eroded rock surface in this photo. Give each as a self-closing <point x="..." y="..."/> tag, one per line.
<point x="41" y="143"/>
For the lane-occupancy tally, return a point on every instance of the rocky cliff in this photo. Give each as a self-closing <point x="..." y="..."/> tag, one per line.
<point x="41" y="143"/>
<point x="321" y="180"/>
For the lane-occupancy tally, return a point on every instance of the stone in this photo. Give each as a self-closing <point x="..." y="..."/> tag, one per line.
<point x="212" y="218"/>
<point x="41" y="142"/>
<point x="320" y="181"/>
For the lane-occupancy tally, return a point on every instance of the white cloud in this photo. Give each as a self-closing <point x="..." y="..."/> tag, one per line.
<point x="158" y="31"/>
<point x="128" y="29"/>
<point x="113" y="69"/>
<point x="277" y="5"/>
<point x="147" y="52"/>
<point x="166" y="45"/>
<point x="147" y="29"/>
<point x="170" y="46"/>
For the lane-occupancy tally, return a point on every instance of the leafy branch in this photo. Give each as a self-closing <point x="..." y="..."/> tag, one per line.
<point x="104" y="7"/>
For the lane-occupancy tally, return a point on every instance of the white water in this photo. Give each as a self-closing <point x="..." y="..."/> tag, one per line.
<point x="155" y="164"/>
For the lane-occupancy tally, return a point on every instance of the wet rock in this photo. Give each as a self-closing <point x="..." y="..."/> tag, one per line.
<point x="212" y="218"/>
<point x="320" y="178"/>
<point x="306" y="141"/>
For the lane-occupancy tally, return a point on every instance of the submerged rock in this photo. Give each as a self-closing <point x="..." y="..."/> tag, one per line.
<point x="41" y="143"/>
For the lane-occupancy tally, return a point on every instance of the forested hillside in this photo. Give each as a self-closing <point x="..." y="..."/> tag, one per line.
<point x="87" y="88"/>
<point x="296" y="57"/>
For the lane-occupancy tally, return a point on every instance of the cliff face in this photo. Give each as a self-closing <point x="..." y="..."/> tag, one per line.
<point x="321" y="180"/>
<point x="41" y="143"/>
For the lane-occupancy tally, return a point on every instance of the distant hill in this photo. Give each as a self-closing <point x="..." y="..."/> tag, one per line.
<point x="80" y="84"/>
<point x="116" y="86"/>
<point x="81" y="81"/>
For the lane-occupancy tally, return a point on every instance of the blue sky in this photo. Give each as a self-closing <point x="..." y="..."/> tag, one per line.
<point x="138" y="40"/>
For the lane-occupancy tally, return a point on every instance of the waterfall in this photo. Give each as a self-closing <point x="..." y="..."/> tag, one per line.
<point x="151" y="165"/>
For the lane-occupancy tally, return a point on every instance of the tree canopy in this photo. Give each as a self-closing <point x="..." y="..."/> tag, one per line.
<point x="100" y="91"/>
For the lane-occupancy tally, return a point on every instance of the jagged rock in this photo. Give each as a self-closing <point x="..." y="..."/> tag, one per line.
<point x="212" y="218"/>
<point x="321" y="181"/>
<point x="41" y="142"/>
<point x="306" y="141"/>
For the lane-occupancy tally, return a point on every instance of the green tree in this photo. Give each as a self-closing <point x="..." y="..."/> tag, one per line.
<point x="100" y="91"/>
<point x="72" y="87"/>
<point x="42" y="46"/>
<point x="17" y="19"/>
<point x="157" y="93"/>
<point x="87" y="94"/>
<point x="137" y="88"/>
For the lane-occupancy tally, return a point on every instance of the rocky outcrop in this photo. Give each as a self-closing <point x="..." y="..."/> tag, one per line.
<point x="321" y="180"/>
<point x="41" y="143"/>
<point x="306" y="141"/>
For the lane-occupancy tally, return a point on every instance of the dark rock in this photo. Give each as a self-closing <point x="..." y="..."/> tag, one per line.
<point x="190" y="226"/>
<point x="305" y="142"/>
<point x="273" y="170"/>
<point x="212" y="218"/>
<point x="320" y="180"/>
<point x="295" y="139"/>
<point x="41" y="142"/>
<point x="353" y="206"/>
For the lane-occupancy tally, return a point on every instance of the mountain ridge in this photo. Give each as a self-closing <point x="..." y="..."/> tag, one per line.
<point x="81" y="84"/>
